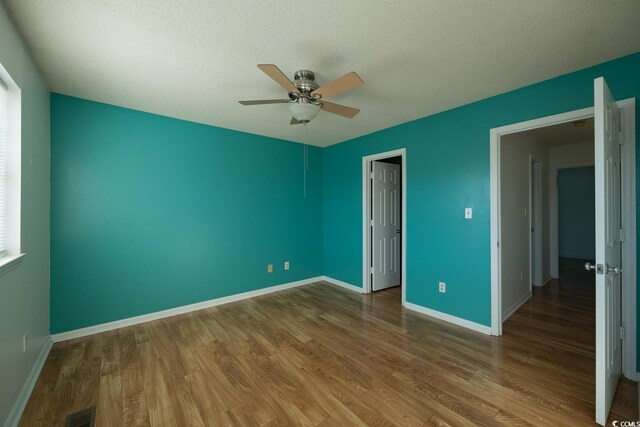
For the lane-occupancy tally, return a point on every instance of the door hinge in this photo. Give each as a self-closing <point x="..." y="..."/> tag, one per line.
<point x="622" y="234"/>
<point x="371" y="270"/>
<point x="621" y="332"/>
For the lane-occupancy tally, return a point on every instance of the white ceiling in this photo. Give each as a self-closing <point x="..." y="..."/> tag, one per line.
<point x="195" y="59"/>
<point x="568" y="133"/>
<point x="565" y="133"/>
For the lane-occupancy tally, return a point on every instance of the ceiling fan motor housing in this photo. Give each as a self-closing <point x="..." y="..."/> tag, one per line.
<point x="304" y="80"/>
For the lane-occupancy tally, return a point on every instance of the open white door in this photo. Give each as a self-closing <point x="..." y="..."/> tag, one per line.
<point x="608" y="249"/>
<point x="385" y="216"/>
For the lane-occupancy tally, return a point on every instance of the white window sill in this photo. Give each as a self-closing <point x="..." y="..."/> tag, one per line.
<point x="10" y="262"/>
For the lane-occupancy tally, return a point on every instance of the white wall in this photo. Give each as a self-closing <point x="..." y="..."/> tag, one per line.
<point x="562" y="156"/>
<point x="516" y="152"/>
<point x="24" y="290"/>
<point x="571" y="154"/>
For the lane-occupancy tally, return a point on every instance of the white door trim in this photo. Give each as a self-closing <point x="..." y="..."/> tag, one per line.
<point x="554" y="248"/>
<point x="366" y="230"/>
<point x="629" y="219"/>
<point x="628" y="194"/>
<point x="535" y="222"/>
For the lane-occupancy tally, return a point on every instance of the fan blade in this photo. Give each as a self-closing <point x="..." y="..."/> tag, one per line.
<point x="294" y="121"/>
<point x="348" y="81"/>
<point x="340" y="110"/>
<point x="265" y="101"/>
<point x="277" y="75"/>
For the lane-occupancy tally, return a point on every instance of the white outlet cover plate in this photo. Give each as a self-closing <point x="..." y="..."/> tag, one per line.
<point x="468" y="213"/>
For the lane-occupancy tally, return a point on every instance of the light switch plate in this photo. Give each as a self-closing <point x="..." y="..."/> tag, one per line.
<point x="468" y="213"/>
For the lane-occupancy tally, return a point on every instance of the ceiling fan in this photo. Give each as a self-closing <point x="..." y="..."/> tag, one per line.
<point x="306" y="97"/>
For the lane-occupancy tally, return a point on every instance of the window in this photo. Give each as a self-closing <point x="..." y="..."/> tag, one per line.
<point x="4" y="136"/>
<point x="9" y="170"/>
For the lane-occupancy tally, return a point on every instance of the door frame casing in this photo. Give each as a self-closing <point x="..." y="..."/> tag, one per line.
<point x="535" y="222"/>
<point x="366" y="229"/>
<point x="628" y="194"/>
<point x="628" y="209"/>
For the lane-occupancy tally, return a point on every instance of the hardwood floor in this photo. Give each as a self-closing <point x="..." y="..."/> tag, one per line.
<point x="322" y="355"/>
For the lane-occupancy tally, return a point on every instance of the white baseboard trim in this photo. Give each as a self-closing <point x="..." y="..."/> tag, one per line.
<point x="514" y="307"/>
<point x="420" y="309"/>
<point x="117" y="324"/>
<point x="342" y="284"/>
<point x="449" y="318"/>
<point x="27" y="388"/>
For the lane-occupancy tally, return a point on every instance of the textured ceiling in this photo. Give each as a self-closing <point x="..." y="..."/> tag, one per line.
<point x="195" y="59"/>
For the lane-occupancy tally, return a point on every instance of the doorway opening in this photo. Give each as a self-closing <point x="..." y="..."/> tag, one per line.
<point x="384" y="219"/>
<point x="529" y="209"/>
<point x="513" y="263"/>
<point x="574" y="219"/>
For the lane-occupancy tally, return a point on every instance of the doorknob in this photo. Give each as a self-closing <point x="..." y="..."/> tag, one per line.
<point x="598" y="267"/>
<point x="616" y="269"/>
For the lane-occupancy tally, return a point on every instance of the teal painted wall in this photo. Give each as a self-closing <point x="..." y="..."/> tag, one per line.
<point x="150" y="213"/>
<point x="448" y="170"/>
<point x="576" y="213"/>
<point x="169" y="212"/>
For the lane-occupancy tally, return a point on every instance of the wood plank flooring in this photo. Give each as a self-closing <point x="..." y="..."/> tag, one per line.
<point x="321" y="355"/>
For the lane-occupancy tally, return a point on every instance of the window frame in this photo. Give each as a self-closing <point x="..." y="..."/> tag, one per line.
<point x="13" y="190"/>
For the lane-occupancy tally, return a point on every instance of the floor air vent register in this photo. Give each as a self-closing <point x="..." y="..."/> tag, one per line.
<point x="84" y="418"/>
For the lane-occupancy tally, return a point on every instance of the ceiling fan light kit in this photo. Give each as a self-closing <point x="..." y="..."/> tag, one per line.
<point x="305" y="111"/>
<point x="305" y="95"/>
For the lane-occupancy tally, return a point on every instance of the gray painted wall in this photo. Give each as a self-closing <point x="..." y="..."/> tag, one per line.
<point x="516" y="152"/>
<point x="24" y="290"/>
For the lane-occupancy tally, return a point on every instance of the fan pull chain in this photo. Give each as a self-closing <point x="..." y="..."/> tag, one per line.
<point x="305" y="162"/>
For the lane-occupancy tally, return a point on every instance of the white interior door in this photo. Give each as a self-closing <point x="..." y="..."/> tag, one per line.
<point x="385" y="226"/>
<point x="608" y="249"/>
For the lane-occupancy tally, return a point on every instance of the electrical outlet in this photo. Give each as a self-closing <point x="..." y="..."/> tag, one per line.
<point x="442" y="287"/>
<point x="270" y="268"/>
<point x="25" y="343"/>
<point x="286" y="265"/>
<point x="468" y="213"/>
